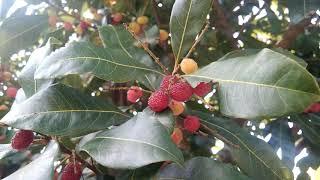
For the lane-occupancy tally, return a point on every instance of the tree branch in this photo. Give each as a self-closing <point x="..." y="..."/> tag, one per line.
<point x="295" y="30"/>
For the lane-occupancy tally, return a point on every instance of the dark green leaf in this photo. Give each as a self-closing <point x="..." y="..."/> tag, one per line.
<point x="19" y="32"/>
<point x="201" y="168"/>
<point x="187" y="20"/>
<point x="255" y="157"/>
<point x="259" y="84"/>
<point x="140" y="141"/>
<point x="26" y="78"/>
<point x="63" y="111"/>
<point x="83" y="57"/>
<point x="41" y="168"/>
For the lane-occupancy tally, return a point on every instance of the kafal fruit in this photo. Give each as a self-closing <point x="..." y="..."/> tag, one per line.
<point x="167" y="81"/>
<point x="72" y="171"/>
<point x="22" y="139"/>
<point x="191" y="123"/>
<point x="176" y="107"/>
<point x="177" y="136"/>
<point x="202" y="89"/>
<point x="163" y="35"/>
<point x="188" y="66"/>
<point x="158" y="101"/>
<point x="134" y="94"/>
<point x="142" y="20"/>
<point x="181" y="91"/>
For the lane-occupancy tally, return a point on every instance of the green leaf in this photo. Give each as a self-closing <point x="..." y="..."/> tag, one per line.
<point x="83" y="57"/>
<point x="187" y="20"/>
<point x="201" y="168"/>
<point x="5" y="149"/>
<point x="20" y="32"/>
<point x="41" y="168"/>
<point x="254" y="157"/>
<point x="259" y="84"/>
<point x="63" y="111"/>
<point x="140" y="141"/>
<point x="26" y="78"/>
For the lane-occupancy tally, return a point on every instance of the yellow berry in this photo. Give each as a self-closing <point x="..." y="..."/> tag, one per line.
<point x="135" y="27"/>
<point x="143" y="20"/>
<point x="188" y="66"/>
<point x="176" y="107"/>
<point x="163" y="36"/>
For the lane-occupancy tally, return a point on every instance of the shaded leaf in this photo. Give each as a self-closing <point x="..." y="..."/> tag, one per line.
<point x="138" y="142"/>
<point x="201" y="168"/>
<point x="43" y="165"/>
<point x="5" y="149"/>
<point x="63" y="111"/>
<point x="187" y="19"/>
<point x="18" y="32"/>
<point x="259" y="84"/>
<point x="255" y="157"/>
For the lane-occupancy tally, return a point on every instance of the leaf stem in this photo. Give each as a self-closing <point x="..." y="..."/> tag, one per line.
<point x="145" y="47"/>
<point x="126" y="88"/>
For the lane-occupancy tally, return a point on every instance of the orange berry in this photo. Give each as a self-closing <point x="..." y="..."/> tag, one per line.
<point x="177" y="136"/>
<point x="6" y="76"/>
<point x="188" y="66"/>
<point x="176" y="107"/>
<point x="3" y="107"/>
<point x="143" y="20"/>
<point x="164" y="35"/>
<point x="135" y="27"/>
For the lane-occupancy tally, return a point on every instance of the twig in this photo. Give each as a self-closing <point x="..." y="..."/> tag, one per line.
<point x="61" y="9"/>
<point x="126" y="88"/>
<point x="217" y="135"/>
<point x="204" y="30"/>
<point x="145" y="47"/>
<point x="295" y="30"/>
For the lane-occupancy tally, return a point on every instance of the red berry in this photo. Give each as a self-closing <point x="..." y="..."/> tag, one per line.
<point x="84" y="25"/>
<point x="313" y="108"/>
<point x="158" y="101"/>
<point x="134" y="93"/>
<point x="202" y="89"/>
<point x="67" y="26"/>
<point x="11" y="92"/>
<point x="22" y="139"/>
<point x="71" y="171"/>
<point x="117" y="17"/>
<point x="191" y="123"/>
<point x="181" y="91"/>
<point x="166" y="81"/>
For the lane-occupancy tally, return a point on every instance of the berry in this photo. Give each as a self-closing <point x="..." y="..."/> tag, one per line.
<point x="6" y="76"/>
<point x="3" y="107"/>
<point x="143" y="20"/>
<point x="84" y="25"/>
<point x="134" y="94"/>
<point x="158" y="101"/>
<point x="176" y="107"/>
<point x="177" y="136"/>
<point x="67" y="26"/>
<point x="191" y="123"/>
<point x="313" y="108"/>
<point x="166" y="81"/>
<point x="202" y="89"/>
<point x="134" y="27"/>
<point x="181" y="91"/>
<point x="188" y="66"/>
<point x="22" y="139"/>
<point x="71" y="171"/>
<point x="117" y="17"/>
<point x="164" y="35"/>
<point x="11" y="92"/>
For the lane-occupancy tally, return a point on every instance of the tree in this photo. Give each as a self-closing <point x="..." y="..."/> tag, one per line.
<point x="141" y="89"/>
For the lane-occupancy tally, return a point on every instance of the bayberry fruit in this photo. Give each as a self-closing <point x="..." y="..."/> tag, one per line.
<point x="134" y="27"/>
<point x="202" y="89"/>
<point x="158" y="101"/>
<point x="188" y="66"/>
<point x="191" y="123"/>
<point x="181" y="91"/>
<point x="177" y="136"/>
<point x="167" y="80"/>
<point x="313" y="108"/>
<point x="84" y="25"/>
<point x="143" y="20"/>
<point x="22" y="139"/>
<point x="164" y="35"/>
<point x="134" y="94"/>
<point x="176" y="107"/>
<point x="72" y="171"/>
<point x="11" y="92"/>
<point x="117" y="18"/>
<point x="67" y="26"/>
